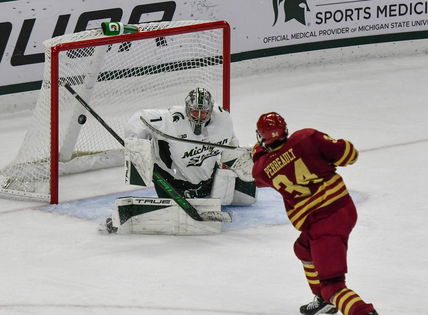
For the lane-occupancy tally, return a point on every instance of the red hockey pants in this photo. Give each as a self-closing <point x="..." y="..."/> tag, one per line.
<point x="325" y="244"/>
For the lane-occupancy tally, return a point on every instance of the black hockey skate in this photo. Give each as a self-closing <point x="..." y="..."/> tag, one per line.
<point x="318" y="306"/>
<point x="107" y="227"/>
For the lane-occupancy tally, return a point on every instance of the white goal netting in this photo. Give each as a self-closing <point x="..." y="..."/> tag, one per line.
<point x="116" y="79"/>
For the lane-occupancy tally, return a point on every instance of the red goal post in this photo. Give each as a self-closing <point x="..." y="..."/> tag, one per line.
<point x="155" y="67"/>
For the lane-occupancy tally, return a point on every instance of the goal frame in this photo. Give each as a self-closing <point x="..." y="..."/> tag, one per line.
<point x="54" y="93"/>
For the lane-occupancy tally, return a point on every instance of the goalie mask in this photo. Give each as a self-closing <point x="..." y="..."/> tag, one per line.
<point x="271" y="130"/>
<point x="199" y="106"/>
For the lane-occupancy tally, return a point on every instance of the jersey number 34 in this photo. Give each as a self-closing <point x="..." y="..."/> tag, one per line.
<point x="303" y="177"/>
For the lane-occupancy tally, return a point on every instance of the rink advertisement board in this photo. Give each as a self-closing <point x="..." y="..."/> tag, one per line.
<point x="257" y="25"/>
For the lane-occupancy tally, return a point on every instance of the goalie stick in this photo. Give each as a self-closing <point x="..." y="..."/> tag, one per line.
<point x="157" y="178"/>
<point x="224" y="146"/>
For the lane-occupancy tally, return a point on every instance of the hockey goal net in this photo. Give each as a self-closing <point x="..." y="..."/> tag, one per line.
<point x="117" y="75"/>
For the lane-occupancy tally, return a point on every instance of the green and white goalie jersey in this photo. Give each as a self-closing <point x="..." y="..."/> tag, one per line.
<point x="185" y="161"/>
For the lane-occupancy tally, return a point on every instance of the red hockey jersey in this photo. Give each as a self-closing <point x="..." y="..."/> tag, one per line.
<point x="303" y="171"/>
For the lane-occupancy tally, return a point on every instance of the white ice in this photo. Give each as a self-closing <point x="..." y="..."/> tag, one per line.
<point x="53" y="261"/>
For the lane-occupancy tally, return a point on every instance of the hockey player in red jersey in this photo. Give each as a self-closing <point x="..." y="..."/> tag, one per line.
<point x="302" y="168"/>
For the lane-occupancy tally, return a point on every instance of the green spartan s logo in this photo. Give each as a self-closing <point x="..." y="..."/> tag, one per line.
<point x="293" y="9"/>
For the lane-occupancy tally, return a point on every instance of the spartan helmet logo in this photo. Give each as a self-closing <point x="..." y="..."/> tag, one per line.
<point x="293" y="9"/>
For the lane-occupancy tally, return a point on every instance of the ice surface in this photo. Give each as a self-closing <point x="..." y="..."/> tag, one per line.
<point x="53" y="261"/>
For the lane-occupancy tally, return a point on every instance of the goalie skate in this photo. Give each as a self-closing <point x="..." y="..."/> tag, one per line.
<point x="107" y="227"/>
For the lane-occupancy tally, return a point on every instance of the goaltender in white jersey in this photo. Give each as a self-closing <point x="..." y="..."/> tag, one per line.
<point x="184" y="161"/>
<point x="196" y="170"/>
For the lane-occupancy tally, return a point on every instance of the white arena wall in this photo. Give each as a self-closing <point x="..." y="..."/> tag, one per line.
<point x="293" y="33"/>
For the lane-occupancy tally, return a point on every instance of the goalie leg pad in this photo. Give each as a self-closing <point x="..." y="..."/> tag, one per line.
<point x="224" y="186"/>
<point x="162" y="216"/>
<point x="245" y="193"/>
<point x="231" y="190"/>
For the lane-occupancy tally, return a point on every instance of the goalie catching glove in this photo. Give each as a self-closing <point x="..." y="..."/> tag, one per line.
<point x="240" y="162"/>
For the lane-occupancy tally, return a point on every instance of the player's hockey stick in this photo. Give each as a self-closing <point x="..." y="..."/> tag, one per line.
<point x="224" y="146"/>
<point x="218" y="216"/>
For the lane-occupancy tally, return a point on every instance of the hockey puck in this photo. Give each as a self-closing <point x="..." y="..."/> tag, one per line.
<point x="82" y="119"/>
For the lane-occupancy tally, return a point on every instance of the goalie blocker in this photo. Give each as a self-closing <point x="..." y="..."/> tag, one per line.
<point x="163" y="216"/>
<point x="233" y="184"/>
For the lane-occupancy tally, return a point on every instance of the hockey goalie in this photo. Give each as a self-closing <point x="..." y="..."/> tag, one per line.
<point x="191" y="148"/>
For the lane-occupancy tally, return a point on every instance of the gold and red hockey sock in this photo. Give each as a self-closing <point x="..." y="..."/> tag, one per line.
<point x="312" y="278"/>
<point x="350" y="303"/>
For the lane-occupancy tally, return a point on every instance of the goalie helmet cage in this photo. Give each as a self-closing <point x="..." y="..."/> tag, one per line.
<point x="117" y="76"/>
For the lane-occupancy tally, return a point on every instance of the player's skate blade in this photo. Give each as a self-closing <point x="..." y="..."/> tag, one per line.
<point x="318" y="306"/>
